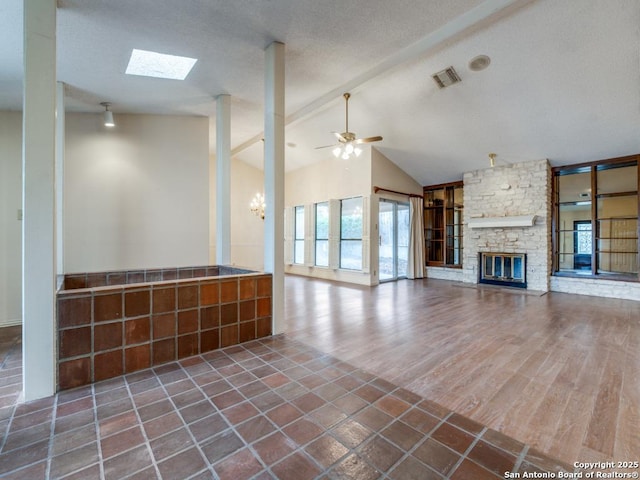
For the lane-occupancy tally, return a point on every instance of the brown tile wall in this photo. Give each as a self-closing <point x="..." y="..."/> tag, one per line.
<point x="106" y="332"/>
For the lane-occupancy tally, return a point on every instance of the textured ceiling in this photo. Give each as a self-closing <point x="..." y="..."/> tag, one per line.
<point x="563" y="84"/>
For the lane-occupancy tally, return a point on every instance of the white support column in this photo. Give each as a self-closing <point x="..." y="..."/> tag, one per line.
<point x="59" y="174"/>
<point x="274" y="178"/>
<point x="38" y="199"/>
<point x="223" y="180"/>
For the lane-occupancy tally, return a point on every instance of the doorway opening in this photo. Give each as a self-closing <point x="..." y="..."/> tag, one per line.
<point x="393" y="250"/>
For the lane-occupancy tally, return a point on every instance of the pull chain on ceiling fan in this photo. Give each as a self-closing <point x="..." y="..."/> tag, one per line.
<point x="347" y="140"/>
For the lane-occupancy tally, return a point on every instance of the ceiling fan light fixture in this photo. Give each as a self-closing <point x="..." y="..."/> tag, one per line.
<point x="347" y="141"/>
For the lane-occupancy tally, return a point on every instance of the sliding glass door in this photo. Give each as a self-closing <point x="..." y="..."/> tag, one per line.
<point x="393" y="223"/>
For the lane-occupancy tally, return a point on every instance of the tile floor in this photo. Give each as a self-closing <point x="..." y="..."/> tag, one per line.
<point x="270" y="408"/>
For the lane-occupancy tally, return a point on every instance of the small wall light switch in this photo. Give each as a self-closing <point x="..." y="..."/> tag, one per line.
<point x="19" y="214"/>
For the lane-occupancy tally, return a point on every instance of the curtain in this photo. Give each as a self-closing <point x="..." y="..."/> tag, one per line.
<point x="416" y="261"/>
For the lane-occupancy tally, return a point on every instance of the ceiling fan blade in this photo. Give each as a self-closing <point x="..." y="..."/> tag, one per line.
<point x="325" y="146"/>
<point x="367" y="140"/>
<point x="339" y="136"/>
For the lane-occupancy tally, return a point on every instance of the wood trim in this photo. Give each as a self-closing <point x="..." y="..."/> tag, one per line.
<point x="555" y="216"/>
<point x="609" y="161"/>
<point x="411" y="195"/>
<point x="446" y="206"/>
<point x="594" y="221"/>
<point x="592" y="168"/>
<point x="443" y="185"/>
<point x="444" y="265"/>
<point x="616" y="194"/>
<point x="614" y="278"/>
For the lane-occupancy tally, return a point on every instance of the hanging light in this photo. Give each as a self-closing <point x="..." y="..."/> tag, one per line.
<point x="257" y="205"/>
<point x="108" y="115"/>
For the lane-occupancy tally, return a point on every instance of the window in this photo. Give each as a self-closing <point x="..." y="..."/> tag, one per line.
<point x="351" y="233"/>
<point x="322" y="234"/>
<point x="443" y="208"/>
<point x="298" y="239"/>
<point x="582" y="244"/>
<point x="582" y="241"/>
<point x="596" y="219"/>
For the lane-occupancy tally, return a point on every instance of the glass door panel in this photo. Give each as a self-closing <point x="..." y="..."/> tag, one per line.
<point x="393" y="245"/>
<point x="386" y="245"/>
<point x="402" y="227"/>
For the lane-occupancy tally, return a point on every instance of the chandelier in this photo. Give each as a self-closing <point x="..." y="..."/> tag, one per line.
<point x="257" y="205"/>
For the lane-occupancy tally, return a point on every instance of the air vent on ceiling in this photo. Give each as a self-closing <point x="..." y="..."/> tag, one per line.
<point x="446" y="77"/>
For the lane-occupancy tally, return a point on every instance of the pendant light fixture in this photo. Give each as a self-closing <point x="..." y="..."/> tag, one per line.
<point x="108" y="115"/>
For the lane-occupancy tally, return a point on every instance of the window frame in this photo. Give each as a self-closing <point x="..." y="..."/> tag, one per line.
<point x="317" y="238"/>
<point x="298" y="241"/>
<point x="342" y="240"/>
<point x="593" y="168"/>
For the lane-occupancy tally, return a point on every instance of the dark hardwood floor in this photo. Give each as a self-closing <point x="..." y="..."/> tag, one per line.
<point x="559" y="372"/>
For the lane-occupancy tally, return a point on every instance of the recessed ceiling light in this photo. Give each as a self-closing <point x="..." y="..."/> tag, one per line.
<point x="479" y="63"/>
<point x="159" y="65"/>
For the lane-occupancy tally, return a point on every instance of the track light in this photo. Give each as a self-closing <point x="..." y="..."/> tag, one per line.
<point x="108" y="115"/>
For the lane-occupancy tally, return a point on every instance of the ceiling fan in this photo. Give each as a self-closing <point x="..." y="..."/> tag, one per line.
<point x="347" y="141"/>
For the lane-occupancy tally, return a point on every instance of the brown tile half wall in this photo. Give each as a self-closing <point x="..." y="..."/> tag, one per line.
<point x="108" y="331"/>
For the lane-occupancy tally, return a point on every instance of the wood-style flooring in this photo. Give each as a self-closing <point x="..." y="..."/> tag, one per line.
<point x="559" y="372"/>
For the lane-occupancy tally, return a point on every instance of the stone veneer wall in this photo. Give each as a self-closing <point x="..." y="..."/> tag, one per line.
<point x="444" y="273"/>
<point x="509" y="190"/>
<point x="596" y="287"/>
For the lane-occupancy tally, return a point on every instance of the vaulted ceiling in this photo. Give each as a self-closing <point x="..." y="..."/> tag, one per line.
<point x="563" y="82"/>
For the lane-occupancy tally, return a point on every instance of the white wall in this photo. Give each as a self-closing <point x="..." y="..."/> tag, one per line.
<point x="338" y="179"/>
<point x="137" y="195"/>
<point x="386" y="174"/>
<point x="10" y="226"/>
<point x="331" y="178"/>
<point x="247" y="230"/>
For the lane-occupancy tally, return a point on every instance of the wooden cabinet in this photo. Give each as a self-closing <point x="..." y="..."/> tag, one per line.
<point x="443" y="217"/>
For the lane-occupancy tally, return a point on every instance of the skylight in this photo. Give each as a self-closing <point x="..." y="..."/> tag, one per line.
<point x="159" y="65"/>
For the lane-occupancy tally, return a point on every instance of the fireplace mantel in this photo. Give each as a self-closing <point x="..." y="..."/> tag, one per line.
<point x="503" y="222"/>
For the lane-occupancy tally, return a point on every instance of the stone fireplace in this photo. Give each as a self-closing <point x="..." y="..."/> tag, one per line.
<point x="508" y="217"/>
<point x="506" y="269"/>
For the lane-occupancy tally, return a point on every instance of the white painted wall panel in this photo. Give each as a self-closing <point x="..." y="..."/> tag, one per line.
<point x="137" y="195"/>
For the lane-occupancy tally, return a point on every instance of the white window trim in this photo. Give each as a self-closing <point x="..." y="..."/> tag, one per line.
<point x="289" y="216"/>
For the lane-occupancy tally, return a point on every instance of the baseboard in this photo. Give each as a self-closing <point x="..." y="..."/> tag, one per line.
<point x="11" y="322"/>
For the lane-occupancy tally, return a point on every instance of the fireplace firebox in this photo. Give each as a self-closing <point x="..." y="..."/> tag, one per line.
<point x="506" y="269"/>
